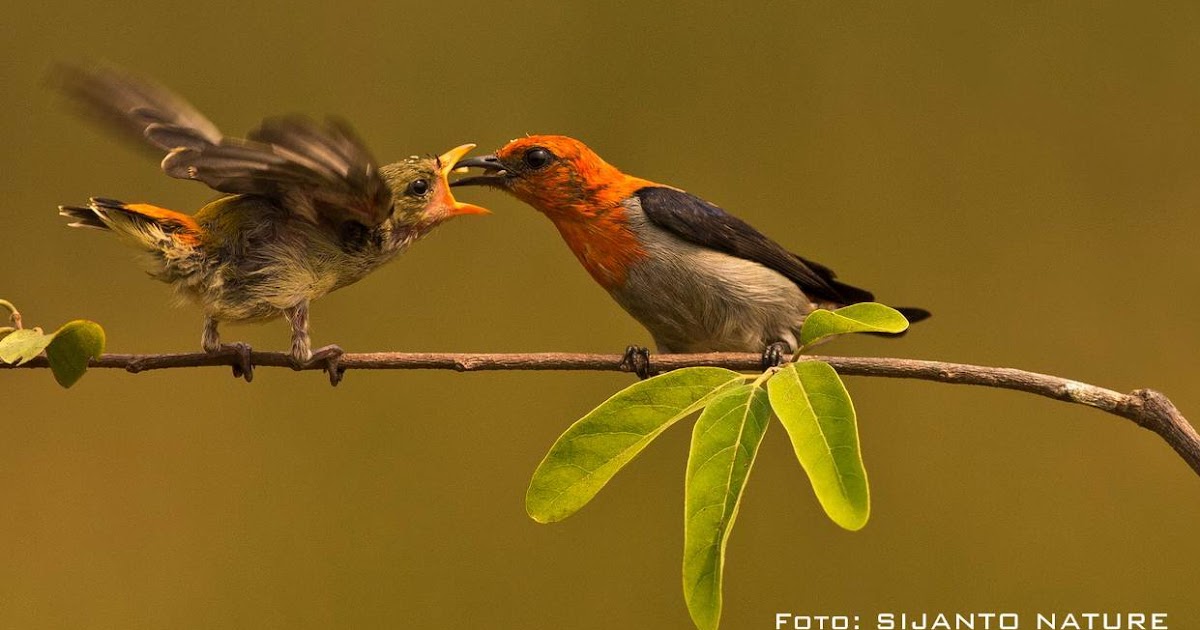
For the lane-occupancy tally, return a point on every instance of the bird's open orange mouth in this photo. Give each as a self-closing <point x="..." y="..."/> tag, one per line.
<point x="450" y="161"/>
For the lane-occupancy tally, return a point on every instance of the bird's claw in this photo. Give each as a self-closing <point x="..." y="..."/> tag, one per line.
<point x="775" y="354"/>
<point x="244" y="366"/>
<point x="331" y="356"/>
<point x="637" y="360"/>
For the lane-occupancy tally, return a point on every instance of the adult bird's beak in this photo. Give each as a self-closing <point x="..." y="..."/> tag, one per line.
<point x="450" y="161"/>
<point x="494" y="173"/>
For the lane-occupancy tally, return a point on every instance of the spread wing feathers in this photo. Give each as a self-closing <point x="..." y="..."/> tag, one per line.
<point x="320" y="171"/>
<point x="348" y="172"/>
<point x="698" y="221"/>
<point x="334" y="146"/>
<point x="130" y="104"/>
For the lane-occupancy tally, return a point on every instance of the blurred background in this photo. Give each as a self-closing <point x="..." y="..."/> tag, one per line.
<point x="1028" y="173"/>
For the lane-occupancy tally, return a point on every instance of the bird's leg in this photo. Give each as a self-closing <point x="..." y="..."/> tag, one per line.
<point x="637" y="360"/>
<point x="301" y="345"/>
<point x="775" y="354"/>
<point x="211" y="339"/>
<point x="211" y="342"/>
<point x="302" y="354"/>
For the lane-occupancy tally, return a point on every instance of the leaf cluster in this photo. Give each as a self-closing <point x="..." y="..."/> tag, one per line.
<point x="807" y="396"/>
<point x="67" y="349"/>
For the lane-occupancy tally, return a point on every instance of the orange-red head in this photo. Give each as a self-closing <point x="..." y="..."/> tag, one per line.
<point x="559" y="176"/>
<point x="581" y="193"/>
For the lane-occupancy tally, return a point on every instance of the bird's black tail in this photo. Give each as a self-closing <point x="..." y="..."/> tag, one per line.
<point x="913" y="314"/>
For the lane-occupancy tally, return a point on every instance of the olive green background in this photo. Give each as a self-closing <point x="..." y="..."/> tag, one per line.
<point x="1029" y="173"/>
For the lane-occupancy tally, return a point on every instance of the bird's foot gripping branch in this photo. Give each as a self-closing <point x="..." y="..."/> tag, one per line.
<point x="68" y="349"/>
<point x="807" y="396"/>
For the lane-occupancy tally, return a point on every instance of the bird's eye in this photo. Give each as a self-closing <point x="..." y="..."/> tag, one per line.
<point x="538" y="157"/>
<point x="418" y="187"/>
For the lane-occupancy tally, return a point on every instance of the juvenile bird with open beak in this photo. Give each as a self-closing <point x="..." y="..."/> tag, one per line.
<point x="698" y="278"/>
<point x="306" y="210"/>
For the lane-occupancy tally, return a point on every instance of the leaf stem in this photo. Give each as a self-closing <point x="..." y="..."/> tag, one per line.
<point x="767" y="374"/>
<point x="14" y="315"/>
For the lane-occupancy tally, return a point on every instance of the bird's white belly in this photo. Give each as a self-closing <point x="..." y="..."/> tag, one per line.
<point x="694" y="299"/>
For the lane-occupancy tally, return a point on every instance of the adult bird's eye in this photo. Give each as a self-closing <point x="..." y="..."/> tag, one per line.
<point x="418" y="187"/>
<point x="538" y="157"/>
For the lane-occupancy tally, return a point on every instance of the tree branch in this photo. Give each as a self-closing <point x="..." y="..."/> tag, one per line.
<point x="1147" y="408"/>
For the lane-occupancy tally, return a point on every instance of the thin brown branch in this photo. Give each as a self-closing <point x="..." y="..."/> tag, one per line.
<point x="1147" y="408"/>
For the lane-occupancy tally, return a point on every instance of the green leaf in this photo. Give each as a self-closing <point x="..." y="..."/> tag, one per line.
<point x="22" y="345"/>
<point x="593" y="449"/>
<point x="5" y="330"/>
<point x="815" y="408"/>
<point x="71" y="348"/>
<point x="856" y="318"/>
<point x="724" y="443"/>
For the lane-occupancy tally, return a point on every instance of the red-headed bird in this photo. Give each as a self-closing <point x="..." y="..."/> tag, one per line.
<point x="698" y="278"/>
<point x="306" y="210"/>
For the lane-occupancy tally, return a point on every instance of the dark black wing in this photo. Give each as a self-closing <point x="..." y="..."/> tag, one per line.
<point x="698" y="221"/>
<point x="320" y="170"/>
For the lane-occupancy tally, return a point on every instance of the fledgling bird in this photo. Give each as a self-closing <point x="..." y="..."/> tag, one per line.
<point x="698" y="278"/>
<point x="306" y="210"/>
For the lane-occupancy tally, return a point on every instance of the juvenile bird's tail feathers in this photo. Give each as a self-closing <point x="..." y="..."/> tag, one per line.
<point x="155" y="229"/>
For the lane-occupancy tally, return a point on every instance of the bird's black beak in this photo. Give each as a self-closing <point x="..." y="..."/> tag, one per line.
<point x="494" y="173"/>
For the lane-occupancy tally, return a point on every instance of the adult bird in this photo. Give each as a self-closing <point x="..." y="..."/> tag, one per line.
<point x="698" y="278"/>
<point x="305" y="210"/>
